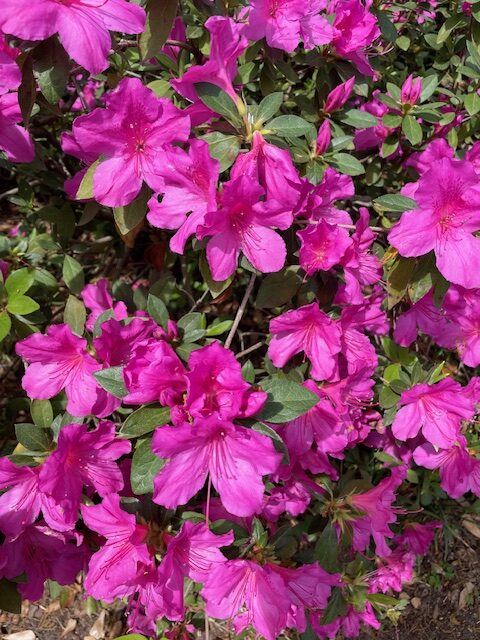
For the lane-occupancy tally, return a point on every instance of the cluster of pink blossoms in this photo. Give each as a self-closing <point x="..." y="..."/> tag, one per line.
<point x="217" y="459"/>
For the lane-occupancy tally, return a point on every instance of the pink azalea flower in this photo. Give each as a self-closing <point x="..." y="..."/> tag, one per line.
<point x="316" y="202"/>
<point x="446" y="217"/>
<point x="154" y="373"/>
<point x="227" y="44"/>
<point x="10" y="74"/>
<point x="114" y="570"/>
<point x="373" y="137"/>
<point x="248" y="595"/>
<point x="244" y="223"/>
<point x="418" y="537"/>
<point x="82" y="458"/>
<point x="339" y="96"/>
<point x="436" y="150"/>
<point x="14" y="139"/>
<point x="425" y="316"/>
<point x="358" y="351"/>
<point x="349" y="625"/>
<point x="272" y="168"/>
<point x="324" y="138"/>
<point x="354" y="29"/>
<point x="41" y="554"/>
<point x="59" y="360"/>
<point x="369" y="315"/>
<point x="115" y="345"/>
<point x="455" y="464"/>
<point x="129" y="135"/>
<point x="361" y="266"/>
<point x="411" y="90"/>
<point x="310" y="330"/>
<point x="322" y="246"/>
<point x="220" y="448"/>
<point x="189" y="185"/>
<point x="97" y="298"/>
<point x="462" y="312"/>
<point x="178" y="33"/>
<point x="437" y="409"/>
<point x="193" y="553"/>
<point x="215" y="386"/>
<point x="82" y="25"/>
<point x="376" y="504"/>
<point x="393" y="572"/>
<point x="285" y="22"/>
<point x="21" y="504"/>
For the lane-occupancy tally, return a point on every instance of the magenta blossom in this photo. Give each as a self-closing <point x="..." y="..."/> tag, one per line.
<point x="249" y="595"/>
<point x="114" y="570"/>
<point x="376" y="504"/>
<point x="82" y="458"/>
<point x="59" y="360"/>
<point x="189" y="185"/>
<point x="349" y="624"/>
<point x="418" y="537"/>
<point x="215" y="386"/>
<point x="310" y="330"/>
<point x="129" y="138"/>
<point x="455" y="464"/>
<point x="322" y="246"/>
<point x="10" y="74"/>
<point x="446" y="217"/>
<point x="220" y="448"/>
<point x="118" y="341"/>
<point x="82" y="25"/>
<point x="41" y="554"/>
<point x="339" y="96"/>
<point x="411" y="90"/>
<point x="285" y="22"/>
<point x="425" y="316"/>
<point x="226" y="46"/>
<point x="244" y="223"/>
<point x="438" y="410"/>
<point x="15" y="141"/>
<point x="97" y="298"/>
<point x="393" y="572"/>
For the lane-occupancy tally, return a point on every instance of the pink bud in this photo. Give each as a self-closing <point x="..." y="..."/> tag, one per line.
<point x="411" y="90"/>
<point x="3" y="270"/>
<point x="323" y="139"/>
<point x="337" y="98"/>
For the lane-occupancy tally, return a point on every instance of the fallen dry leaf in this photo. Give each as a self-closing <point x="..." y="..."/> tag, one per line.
<point x="21" y="635"/>
<point x="471" y="527"/>
<point x="98" y="628"/>
<point x="70" y="626"/>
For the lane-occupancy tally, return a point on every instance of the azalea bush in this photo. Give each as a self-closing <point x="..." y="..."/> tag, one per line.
<point x="239" y="306"/>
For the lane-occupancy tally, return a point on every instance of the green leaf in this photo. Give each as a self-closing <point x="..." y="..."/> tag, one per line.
<point x="412" y="130"/>
<point x="286" y="400"/>
<point x="395" y="202"/>
<point x="398" y="278"/>
<point x="347" y="164"/>
<point x="392" y="120"/>
<point x="337" y="606"/>
<point x="131" y="215"/>
<point x="403" y="42"/>
<point x="5" y="325"/>
<point x="145" y="466"/>
<point x="32" y="437"/>
<point x="289" y="126"/>
<point x="42" y="413"/>
<point x="222" y="147"/>
<point x="472" y="103"/>
<point x="112" y="381"/>
<point x="278" y="288"/>
<point x="215" y="287"/>
<point x="279" y="444"/>
<point x="219" y="328"/>
<point x="268" y="107"/>
<point x="327" y="548"/>
<point x="10" y="599"/>
<point x="359" y="119"/>
<point x="27" y="92"/>
<point x="429" y="84"/>
<point x="85" y="190"/>
<point x="160" y="17"/>
<point x="157" y="310"/>
<point x="144" y="420"/>
<point x="22" y="305"/>
<point x="454" y="22"/>
<point x="19" y="282"/>
<point x="193" y="325"/>
<point x="51" y="67"/>
<point x="217" y="100"/>
<point x="73" y="274"/>
<point x="132" y="636"/>
<point x="75" y="315"/>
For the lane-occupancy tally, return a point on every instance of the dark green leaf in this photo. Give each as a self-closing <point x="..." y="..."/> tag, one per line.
<point x="10" y="599"/>
<point x="51" y="66"/>
<point x="278" y="288"/>
<point x="359" y="119"/>
<point x="32" y="437"/>
<point x="395" y="202"/>
<point x="75" y="315"/>
<point x="337" y="606"/>
<point x="5" y="325"/>
<point x="289" y="126"/>
<point x="222" y="147"/>
<point x="157" y="310"/>
<point x="144" y="420"/>
<point x="85" y="190"/>
<point x="412" y="130"/>
<point x="268" y="107"/>
<point x="286" y="400"/>
<point x="73" y="274"/>
<point x="219" y="101"/>
<point x="145" y="466"/>
<point x="280" y="446"/>
<point x="112" y="381"/>
<point x="347" y="164"/>
<point x="160" y="17"/>
<point x="42" y="413"/>
<point x="327" y="548"/>
<point x="131" y="215"/>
